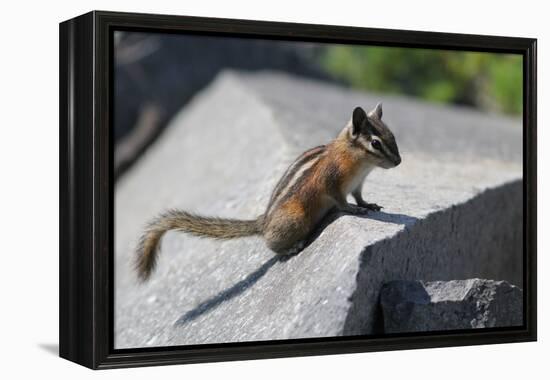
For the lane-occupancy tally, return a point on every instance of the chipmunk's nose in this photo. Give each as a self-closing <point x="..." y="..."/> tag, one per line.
<point x="397" y="160"/>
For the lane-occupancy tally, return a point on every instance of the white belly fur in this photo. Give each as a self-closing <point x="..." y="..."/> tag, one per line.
<point x="358" y="179"/>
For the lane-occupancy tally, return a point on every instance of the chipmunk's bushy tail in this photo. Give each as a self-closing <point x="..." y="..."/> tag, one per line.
<point x="212" y="227"/>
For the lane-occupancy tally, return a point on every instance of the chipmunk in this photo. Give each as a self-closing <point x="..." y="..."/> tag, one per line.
<point x="316" y="182"/>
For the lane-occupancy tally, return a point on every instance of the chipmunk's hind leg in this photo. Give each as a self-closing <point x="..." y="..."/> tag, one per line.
<point x="294" y="250"/>
<point x="286" y="236"/>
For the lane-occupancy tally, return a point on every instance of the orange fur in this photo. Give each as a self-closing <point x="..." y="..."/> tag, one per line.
<point x="294" y="208"/>
<point x="349" y="165"/>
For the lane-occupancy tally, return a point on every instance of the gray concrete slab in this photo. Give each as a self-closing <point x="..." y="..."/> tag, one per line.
<point x="416" y="306"/>
<point x="452" y="210"/>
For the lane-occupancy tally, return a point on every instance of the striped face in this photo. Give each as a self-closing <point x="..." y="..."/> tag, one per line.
<point x="372" y="136"/>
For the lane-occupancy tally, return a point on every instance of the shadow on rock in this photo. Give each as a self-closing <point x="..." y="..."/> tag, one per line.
<point x="388" y="217"/>
<point x="380" y="216"/>
<point x="243" y="285"/>
<point x="227" y="294"/>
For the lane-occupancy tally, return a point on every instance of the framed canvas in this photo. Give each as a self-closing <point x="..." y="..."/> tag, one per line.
<point x="234" y="189"/>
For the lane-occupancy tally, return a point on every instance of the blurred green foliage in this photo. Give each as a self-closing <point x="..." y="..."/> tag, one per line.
<point x="489" y="81"/>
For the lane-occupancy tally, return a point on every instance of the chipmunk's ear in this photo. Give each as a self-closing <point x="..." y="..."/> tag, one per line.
<point x="377" y="111"/>
<point x="359" y="116"/>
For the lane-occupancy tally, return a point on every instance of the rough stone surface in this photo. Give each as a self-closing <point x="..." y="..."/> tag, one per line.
<point x="452" y="210"/>
<point x="416" y="306"/>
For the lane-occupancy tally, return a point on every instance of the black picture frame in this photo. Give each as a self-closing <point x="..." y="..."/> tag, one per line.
<point x="86" y="188"/>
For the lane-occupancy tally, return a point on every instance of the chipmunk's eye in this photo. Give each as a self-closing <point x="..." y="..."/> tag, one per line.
<point x="376" y="144"/>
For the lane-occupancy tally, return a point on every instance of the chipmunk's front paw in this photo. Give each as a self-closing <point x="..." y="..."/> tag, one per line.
<point x="373" y="207"/>
<point x="370" y="206"/>
<point x="355" y="210"/>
